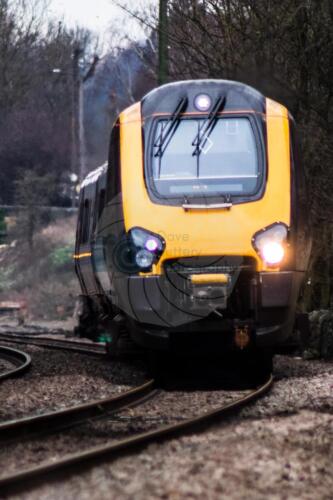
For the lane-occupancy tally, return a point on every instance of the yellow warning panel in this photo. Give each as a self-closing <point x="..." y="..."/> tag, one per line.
<point x="205" y="279"/>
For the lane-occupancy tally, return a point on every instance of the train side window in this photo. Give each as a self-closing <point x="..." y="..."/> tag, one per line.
<point x="85" y="222"/>
<point x="113" y="175"/>
<point x="101" y="202"/>
<point x="98" y="208"/>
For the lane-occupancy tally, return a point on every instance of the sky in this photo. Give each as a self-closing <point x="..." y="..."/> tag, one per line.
<point x="97" y="15"/>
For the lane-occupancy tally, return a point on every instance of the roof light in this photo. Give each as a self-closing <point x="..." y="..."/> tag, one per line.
<point x="202" y="102"/>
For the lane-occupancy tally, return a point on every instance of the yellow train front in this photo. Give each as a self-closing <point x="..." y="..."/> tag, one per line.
<point x="196" y="232"/>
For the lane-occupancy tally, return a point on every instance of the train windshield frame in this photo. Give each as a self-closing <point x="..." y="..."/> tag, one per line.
<point x="230" y="162"/>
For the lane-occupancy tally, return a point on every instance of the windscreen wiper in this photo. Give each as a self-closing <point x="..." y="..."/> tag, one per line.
<point x="169" y="128"/>
<point x="207" y="126"/>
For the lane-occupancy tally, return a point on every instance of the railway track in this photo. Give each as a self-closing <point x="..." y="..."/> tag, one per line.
<point x="70" y="463"/>
<point x="49" y="343"/>
<point x="19" y="359"/>
<point x="63" y="419"/>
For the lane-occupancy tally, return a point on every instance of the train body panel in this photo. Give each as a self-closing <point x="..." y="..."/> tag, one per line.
<point x="210" y="232"/>
<point x="202" y="230"/>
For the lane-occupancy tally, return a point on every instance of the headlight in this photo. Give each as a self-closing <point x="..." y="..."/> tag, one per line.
<point x="144" y="259"/>
<point x="273" y="252"/>
<point x="148" y="247"/>
<point x="270" y="243"/>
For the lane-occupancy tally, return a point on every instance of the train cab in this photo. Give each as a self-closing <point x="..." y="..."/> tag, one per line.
<point x="196" y="232"/>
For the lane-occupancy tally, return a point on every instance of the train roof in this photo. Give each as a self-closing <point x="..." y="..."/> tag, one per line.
<point x="238" y="96"/>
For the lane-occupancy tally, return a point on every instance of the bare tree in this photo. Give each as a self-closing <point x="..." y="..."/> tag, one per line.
<point x="33" y="191"/>
<point x="37" y="84"/>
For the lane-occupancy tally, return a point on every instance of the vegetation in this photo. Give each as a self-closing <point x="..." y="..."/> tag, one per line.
<point x="3" y="226"/>
<point x="32" y="192"/>
<point x="62" y="257"/>
<point x="48" y="271"/>
<point x="36" y="95"/>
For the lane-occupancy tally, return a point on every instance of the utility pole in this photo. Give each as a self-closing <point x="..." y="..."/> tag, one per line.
<point x="77" y="116"/>
<point x="78" y="155"/>
<point x="163" y="42"/>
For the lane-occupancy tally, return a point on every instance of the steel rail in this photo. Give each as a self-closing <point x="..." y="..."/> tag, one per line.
<point x="67" y="417"/>
<point x="79" y="347"/>
<point x="69" y="463"/>
<point x="20" y="359"/>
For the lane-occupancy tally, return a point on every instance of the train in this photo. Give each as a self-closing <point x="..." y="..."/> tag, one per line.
<point x="195" y="235"/>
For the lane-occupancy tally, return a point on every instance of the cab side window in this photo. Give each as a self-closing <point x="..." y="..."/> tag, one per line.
<point x="98" y="208"/>
<point x="113" y="175"/>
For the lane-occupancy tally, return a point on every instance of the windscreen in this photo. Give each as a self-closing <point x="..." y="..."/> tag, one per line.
<point x="226" y="161"/>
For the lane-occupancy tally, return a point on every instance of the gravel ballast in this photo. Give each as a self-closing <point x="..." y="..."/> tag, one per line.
<point x="58" y="379"/>
<point x="280" y="447"/>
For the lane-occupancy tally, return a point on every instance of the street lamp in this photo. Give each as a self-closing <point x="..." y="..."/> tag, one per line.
<point x="77" y="125"/>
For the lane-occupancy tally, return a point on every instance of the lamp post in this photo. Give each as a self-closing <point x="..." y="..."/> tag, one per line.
<point x="77" y="122"/>
<point x="78" y="145"/>
<point x="77" y="115"/>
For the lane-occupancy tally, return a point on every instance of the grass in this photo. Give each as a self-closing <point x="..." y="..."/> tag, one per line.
<point x="43" y="279"/>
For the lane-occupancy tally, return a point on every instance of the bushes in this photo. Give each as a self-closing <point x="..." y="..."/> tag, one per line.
<point x="53" y="298"/>
<point x="3" y="227"/>
<point x="320" y="344"/>
<point x="7" y="278"/>
<point x="62" y="257"/>
<point x="43" y="277"/>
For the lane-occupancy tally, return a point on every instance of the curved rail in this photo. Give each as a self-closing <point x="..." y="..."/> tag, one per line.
<point x="74" y="346"/>
<point x="96" y="454"/>
<point x="20" y="359"/>
<point x="67" y="417"/>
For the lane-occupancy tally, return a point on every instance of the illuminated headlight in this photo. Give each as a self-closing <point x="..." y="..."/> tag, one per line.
<point x="270" y="243"/>
<point x="273" y="252"/>
<point x="152" y="244"/>
<point x="202" y="102"/>
<point x="148" y="247"/>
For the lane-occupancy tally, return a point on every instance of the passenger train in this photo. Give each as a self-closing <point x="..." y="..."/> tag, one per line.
<point x="195" y="234"/>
